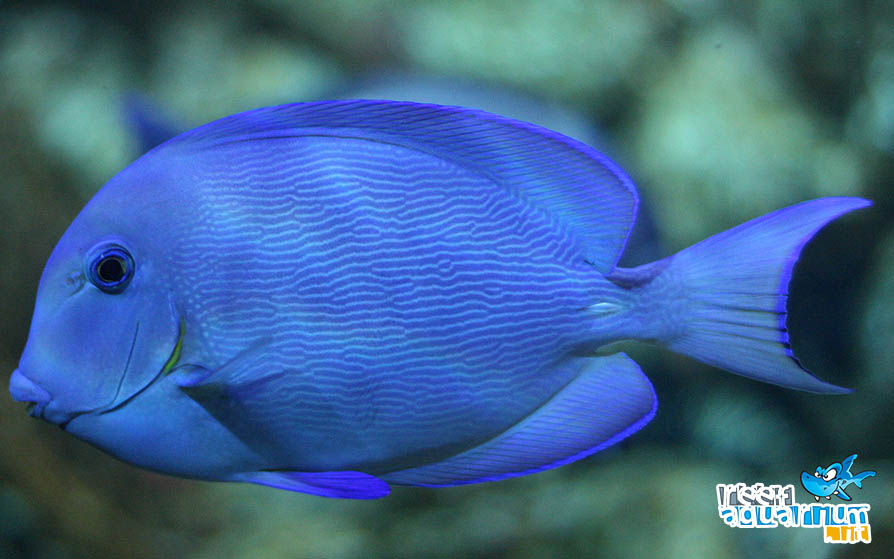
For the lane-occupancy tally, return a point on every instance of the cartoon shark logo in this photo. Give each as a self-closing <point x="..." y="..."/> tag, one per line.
<point x="826" y="482"/>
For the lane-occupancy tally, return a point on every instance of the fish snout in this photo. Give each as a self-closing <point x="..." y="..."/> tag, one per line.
<point x="40" y="402"/>
<point x="815" y="485"/>
<point x="809" y="482"/>
<point x="23" y="389"/>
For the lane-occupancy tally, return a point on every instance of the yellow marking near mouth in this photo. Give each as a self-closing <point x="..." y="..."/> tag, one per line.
<point x="175" y="355"/>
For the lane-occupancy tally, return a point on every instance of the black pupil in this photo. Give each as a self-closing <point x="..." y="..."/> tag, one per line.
<point x="111" y="269"/>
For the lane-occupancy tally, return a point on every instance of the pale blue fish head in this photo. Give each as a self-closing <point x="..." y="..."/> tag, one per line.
<point x="106" y="337"/>
<point x="824" y="481"/>
<point x="104" y="325"/>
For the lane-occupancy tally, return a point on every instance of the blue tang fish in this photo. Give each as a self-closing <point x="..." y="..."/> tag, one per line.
<point x="825" y="482"/>
<point x="333" y="297"/>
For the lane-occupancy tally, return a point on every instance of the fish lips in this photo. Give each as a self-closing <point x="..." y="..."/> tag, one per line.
<point x="40" y="401"/>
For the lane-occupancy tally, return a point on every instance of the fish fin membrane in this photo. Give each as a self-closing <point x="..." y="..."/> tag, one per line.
<point x="858" y="479"/>
<point x="148" y="123"/>
<point x="578" y="186"/>
<point x="336" y="485"/>
<point x="248" y="368"/>
<point x="736" y="287"/>
<point x="608" y="401"/>
<point x="847" y="463"/>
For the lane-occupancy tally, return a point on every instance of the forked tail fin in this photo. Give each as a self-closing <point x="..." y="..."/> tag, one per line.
<point x="848" y="477"/>
<point x="735" y="286"/>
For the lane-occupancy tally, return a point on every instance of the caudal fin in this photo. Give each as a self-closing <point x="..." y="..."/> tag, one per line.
<point x="736" y="286"/>
<point x="858" y="479"/>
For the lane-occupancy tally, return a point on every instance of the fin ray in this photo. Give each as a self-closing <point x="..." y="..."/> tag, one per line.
<point x="609" y="400"/>
<point x="336" y="485"/>
<point x="726" y="318"/>
<point x="580" y="187"/>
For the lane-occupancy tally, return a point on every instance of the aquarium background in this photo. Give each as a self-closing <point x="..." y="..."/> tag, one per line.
<point x="720" y="112"/>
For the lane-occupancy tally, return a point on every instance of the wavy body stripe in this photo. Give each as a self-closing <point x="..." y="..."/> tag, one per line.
<point x="322" y="296"/>
<point x="415" y="307"/>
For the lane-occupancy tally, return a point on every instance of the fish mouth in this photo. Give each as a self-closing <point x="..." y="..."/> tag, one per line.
<point x="38" y="401"/>
<point x="23" y="389"/>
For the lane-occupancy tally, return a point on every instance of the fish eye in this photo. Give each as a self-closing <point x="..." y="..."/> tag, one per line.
<point x="830" y="474"/>
<point x="111" y="269"/>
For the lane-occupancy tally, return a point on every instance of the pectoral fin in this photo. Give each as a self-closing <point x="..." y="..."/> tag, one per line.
<point x="236" y="379"/>
<point x="236" y="393"/>
<point x="339" y="485"/>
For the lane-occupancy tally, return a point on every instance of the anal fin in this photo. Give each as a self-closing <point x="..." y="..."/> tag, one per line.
<point x="338" y="485"/>
<point x="608" y="401"/>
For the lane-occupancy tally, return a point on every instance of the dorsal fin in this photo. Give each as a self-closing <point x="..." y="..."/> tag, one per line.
<point x="581" y="188"/>
<point x="846" y="465"/>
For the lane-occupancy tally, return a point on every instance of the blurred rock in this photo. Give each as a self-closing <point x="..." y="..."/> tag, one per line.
<point x="872" y="120"/>
<point x="877" y="331"/>
<point x="721" y="139"/>
<point x="210" y="63"/>
<point x="575" y="51"/>
<point x="64" y="69"/>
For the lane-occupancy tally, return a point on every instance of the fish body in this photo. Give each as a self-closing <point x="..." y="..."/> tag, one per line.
<point x="833" y="480"/>
<point x="331" y="297"/>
